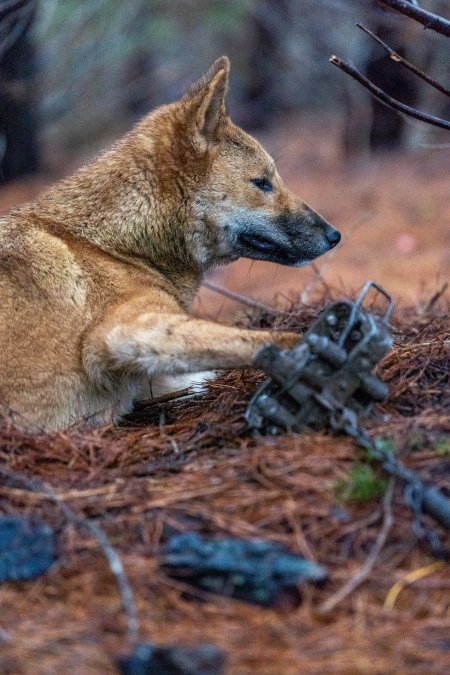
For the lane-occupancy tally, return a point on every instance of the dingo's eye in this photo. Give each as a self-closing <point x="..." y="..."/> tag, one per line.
<point x="263" y="184"/>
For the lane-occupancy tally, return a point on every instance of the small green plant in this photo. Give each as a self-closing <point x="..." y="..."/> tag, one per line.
<point x="361" y="485"/>
<point x="443" y="446"/>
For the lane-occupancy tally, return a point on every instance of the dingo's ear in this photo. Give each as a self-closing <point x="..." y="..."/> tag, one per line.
<point x="206" y="103"/>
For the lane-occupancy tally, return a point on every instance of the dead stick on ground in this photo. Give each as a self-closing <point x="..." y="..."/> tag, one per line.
<point x="434" y="298"/>
<point x="427" y="19"/>
<point x="115" y="563"/>
<point x="363" y="572"/>
<point x="240" y="298"/>
<point x="395" y="56"/>
<point x="385" y="98"/>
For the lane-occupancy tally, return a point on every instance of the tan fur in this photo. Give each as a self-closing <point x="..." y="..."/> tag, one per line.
<point x="97" y="276"/>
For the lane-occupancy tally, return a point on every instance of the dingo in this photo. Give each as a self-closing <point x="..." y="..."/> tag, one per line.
<point x="97" y="276"/>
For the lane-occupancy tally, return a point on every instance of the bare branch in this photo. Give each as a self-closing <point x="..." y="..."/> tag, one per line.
<point x="395" y="56"/>
<point x="427" y="19"/>
<point x="385" y="98"/>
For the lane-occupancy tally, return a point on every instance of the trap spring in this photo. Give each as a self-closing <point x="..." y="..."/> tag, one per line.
<point x="328" y="375"/>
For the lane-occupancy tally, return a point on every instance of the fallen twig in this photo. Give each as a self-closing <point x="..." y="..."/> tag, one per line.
<point x="244" y="300"/>
<point x="395" y="56"/>
<point x="385" y="98"/>
<point x="363" y="572"/>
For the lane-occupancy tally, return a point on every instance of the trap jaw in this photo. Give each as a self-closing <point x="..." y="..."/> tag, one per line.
<point x="326" y="379"/>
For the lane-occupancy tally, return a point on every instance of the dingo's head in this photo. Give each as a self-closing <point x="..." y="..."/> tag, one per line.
<point x="235" y="203"/>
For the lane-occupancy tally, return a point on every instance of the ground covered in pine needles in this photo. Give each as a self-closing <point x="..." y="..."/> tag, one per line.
<point x="194" y="465"/>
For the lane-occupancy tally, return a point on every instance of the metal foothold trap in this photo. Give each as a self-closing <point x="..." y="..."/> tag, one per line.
<point x="326" y="380"/>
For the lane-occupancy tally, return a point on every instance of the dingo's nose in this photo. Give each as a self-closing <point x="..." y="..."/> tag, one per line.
<point x="334" y="237"/>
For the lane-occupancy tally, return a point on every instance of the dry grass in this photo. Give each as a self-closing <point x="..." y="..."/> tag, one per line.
<point x="193" y="464"/>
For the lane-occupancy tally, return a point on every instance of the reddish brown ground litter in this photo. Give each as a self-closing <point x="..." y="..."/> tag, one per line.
<point x="198" y="467"/>
<point x="194" y="464"/>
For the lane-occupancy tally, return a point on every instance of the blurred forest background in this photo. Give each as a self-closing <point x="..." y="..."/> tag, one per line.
<point x="75" y="74"/>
